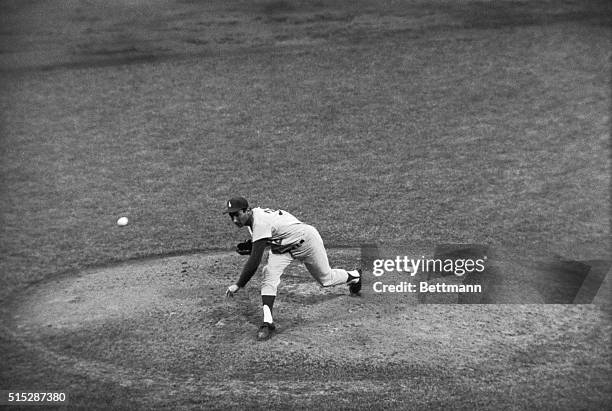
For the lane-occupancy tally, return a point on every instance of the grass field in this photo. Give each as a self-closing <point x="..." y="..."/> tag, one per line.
<point x="397" y="122"/>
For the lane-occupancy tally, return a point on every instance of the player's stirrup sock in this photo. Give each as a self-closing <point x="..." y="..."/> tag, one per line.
<point x="268" y="303"/>
<point x="352" y="277"/>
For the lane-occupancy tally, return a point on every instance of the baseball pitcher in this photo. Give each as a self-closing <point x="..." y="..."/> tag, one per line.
<point x="288" y="239"/>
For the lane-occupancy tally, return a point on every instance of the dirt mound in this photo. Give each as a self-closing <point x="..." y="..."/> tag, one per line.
<point x="164" y="325"/>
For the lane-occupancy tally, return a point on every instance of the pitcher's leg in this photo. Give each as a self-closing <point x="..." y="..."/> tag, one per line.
<point x="316" y="261"/>
<point x="327" y="277"/>
<point x="272" y="272"/>
<point x="269" y="284"/>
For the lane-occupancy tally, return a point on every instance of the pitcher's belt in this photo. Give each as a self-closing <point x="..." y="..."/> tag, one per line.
<point x="280" y="249"/>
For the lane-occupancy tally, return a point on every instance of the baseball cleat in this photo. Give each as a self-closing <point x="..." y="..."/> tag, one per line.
<point x="265" y="331"/>
<point x="355" y="284"/>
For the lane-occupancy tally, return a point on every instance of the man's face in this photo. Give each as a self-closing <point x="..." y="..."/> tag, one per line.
<point x="240" y="217"/>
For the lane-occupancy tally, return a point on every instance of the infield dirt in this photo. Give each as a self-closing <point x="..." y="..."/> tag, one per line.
<point x="163" y="326"/>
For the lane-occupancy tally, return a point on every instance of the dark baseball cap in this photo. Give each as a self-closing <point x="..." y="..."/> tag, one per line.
<point x="236" y="203"/>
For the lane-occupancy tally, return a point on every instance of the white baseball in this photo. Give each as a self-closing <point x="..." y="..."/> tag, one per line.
<point x="122" y="221"/>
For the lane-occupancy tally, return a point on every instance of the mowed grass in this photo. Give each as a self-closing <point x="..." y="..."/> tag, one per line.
<point x="394" y="122"/>
<point x="496" y="136"/>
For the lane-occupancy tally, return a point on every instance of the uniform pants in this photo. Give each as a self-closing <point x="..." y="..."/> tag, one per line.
<point x="312" y="253"/>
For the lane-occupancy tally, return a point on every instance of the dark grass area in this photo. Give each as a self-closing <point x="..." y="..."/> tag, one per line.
<point x="82" y="392"/>
<point x="131" y="32"/>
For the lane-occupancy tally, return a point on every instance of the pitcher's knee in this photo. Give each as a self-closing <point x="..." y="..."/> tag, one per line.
<point x="268" y="289"/>
<point x="269" y="286"/>
<point x="270" y="281"/>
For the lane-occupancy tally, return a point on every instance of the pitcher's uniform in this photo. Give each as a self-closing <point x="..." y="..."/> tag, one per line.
<point x="288" y="239"/>
<point x="291" y="239"/>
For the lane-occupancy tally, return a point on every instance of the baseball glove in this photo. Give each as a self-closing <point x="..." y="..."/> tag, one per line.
<point x="245" y="247"/>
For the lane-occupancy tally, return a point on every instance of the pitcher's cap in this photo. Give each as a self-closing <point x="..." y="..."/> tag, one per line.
<point x="236" y="203"/>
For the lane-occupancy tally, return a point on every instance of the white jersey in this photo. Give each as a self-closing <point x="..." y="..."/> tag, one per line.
<point x="279" y="226"/>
